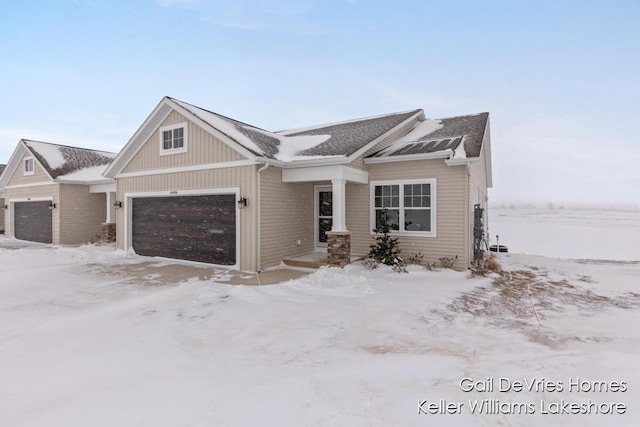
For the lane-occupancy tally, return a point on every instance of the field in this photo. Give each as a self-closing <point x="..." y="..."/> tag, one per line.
<point x="88" y="340"/>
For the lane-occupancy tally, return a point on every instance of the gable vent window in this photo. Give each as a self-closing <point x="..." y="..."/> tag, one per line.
<point x="29" y="168"/>
<point x="173" y="139"/>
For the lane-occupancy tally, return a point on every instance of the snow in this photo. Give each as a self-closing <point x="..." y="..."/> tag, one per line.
<point x="50" y="152"/>
<point x="420" y="131"/>
<point x="460" y="152"/>
<point x="90" y="336"/>
<point x="568" y="233"/>
<point x="85" y="175"/>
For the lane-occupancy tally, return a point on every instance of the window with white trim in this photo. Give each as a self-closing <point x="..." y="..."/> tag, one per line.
<point x="173" y="139"/>
<point x="410" y="206"/>
<point x="29" y="166"/>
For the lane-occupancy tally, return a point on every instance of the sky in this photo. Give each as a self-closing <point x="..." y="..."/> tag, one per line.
<point x="559" y="78"/>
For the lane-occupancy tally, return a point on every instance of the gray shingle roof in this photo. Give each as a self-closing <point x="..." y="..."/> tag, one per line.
<point x="347" y="138"/>
<point x="442" y="134"/>
<point x="2" y="168"/>
<point x="74" y="158"/>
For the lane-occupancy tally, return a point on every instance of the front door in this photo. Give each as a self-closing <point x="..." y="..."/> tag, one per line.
<point x="324" y="214"/>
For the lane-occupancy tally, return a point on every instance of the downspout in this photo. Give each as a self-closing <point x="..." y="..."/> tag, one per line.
<point x="258" y="220"/>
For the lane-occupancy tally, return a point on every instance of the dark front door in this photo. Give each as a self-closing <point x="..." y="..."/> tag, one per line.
<point x="324" y="214"/>
<point x="32" y="221"/>
<point x="194" y="228"/>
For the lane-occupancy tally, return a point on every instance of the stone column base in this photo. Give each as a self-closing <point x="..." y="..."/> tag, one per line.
<point x="108" y="232"/>
<point x="338" y="248"/>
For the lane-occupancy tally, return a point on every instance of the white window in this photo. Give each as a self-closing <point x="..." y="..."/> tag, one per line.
<point x="173" y="139"/>
<point x="410" y="205"/>
<point x="29" y="166"/>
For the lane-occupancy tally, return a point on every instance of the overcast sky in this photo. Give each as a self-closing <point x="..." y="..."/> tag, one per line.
<point x="559" y="78"/>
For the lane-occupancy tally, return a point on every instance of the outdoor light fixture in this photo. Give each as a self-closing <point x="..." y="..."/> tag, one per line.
<point x="242" y="203"/>
<point x="5" y="207"/>
<point x="52" y="206"/>
<point x="117" y="204"/>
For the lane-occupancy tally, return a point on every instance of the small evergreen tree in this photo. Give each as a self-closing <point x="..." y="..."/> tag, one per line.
<point x="386" y="249"/>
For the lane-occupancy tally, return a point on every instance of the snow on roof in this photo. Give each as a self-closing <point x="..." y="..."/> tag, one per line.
<point x="93" y="173"/>
<point x="321" y="141"/>
<point x="463" y="134"/>
<point x="62" y="160"/>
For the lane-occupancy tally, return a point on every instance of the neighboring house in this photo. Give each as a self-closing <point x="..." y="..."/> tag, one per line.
<point x="57" y="194"/>
<point x="199" y="186"/>
<point x="2" y="208"/>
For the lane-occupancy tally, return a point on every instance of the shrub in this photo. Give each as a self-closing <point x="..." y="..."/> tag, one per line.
<point x="447" y="262"/>
<point x="386" y="250"/>
<point x="486" y="265"/>
<point x="415" y="259"/>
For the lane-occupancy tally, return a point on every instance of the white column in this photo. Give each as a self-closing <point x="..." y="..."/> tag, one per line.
<point x="339" y="206"/>
<point x="111" y="210"/>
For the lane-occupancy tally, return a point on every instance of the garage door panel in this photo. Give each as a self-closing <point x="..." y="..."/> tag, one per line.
<point x="32" y="221"/>
<point x="194" y="228"/>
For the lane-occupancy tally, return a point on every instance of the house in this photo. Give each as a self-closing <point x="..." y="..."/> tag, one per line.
<point x="2" y="202"/>
<point x="196" y="185"/>
<point x="57" y="194"/>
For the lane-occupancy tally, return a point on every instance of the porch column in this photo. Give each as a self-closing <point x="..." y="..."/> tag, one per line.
<point x="109" y="227"/>
<point x="339" y="239"/>
<point x="339" y="207"/>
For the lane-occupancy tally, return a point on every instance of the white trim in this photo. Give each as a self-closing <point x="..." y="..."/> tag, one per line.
<point x="12" y="223"/>
<point x="316" y="215"/>
<point x="37" y="184"/>
<point x="339" y="205"/>
<point x="325" y="173"/>
<point x="192" y="168"/>
<point x="178" y="193"/>
<point x="171" y="151"/>
<point x="399" y="233"/>
<point x="103" y="188"/>
<point x="91" y="182"/>
<point x="458" y="162"/>
<point x="25" y="172"/>
<point x="407" y="157"/>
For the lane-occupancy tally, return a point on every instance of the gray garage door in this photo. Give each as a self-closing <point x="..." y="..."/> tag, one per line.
<point x="194" y="228"/>
<point x="32" y="221"/>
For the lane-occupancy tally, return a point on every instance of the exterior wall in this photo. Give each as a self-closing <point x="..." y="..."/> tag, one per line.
<point x="202" y="148"/>
<point x="24" y="193"/>
<point x="478" y="193"/>
<point x="450" y="210"/>
<point x="286" y="215"/>
<point x="19" y="178"/>
<point x="1" y="215"/>
<point x="243" y="177"/>
<point x="81" y="214"/>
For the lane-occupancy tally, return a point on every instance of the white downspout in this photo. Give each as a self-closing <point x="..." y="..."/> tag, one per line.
<point x="258" y="221"/>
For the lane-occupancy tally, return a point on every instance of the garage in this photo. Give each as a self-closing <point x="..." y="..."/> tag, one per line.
<point x="194" y="228"/>
<point x="32" y="221"/>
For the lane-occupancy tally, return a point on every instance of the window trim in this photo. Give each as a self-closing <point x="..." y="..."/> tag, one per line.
<point x="170" y="151"/>
<point x="33" y="166"/>
<point x="401" y="208"/>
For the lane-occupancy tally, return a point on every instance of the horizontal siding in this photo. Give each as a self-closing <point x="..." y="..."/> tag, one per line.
<point x="1" y="215"/>
<point x="53" y="191"/>
<point x="19" y="178"/>
<point x="286" y="217"/>
<point x="450" y="218"/>
<point x="81" y="214"/>
<point x="202" y="148"/>
<point x="242" y="177"/>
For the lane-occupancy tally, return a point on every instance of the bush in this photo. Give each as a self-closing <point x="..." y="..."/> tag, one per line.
<point x="486" y="265"/>
<point x="447" y="262"/>
<point x="415" y="259"/>
<point x="386" y="249"/>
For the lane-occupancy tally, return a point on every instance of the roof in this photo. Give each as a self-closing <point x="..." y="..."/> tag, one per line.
<point x="462" y="134"/>
<point x="328" y="140"/>
<point x="2" y="168"/>
<point x="65" y="163"/>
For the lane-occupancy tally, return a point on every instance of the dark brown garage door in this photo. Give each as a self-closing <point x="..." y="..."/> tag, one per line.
<point x="32" y="221"/>
<point x="194" y="228"/>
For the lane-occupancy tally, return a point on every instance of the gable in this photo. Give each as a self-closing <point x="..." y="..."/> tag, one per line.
<point x="16" y="170"/>
<point x="201" y="148"/>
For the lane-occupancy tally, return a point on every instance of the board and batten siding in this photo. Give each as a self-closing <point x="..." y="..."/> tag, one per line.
<point x="19" y="178"/>
<point x="81" y="214"/>
<point x="450" y="220"/>
<point x="287" y="215"/>
<point x="243" y="177"/>
<point x="51" y="191"/>
<point x="202" y="148"/>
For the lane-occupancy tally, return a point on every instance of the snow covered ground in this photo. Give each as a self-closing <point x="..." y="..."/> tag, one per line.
<point x="83" y="344"/>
